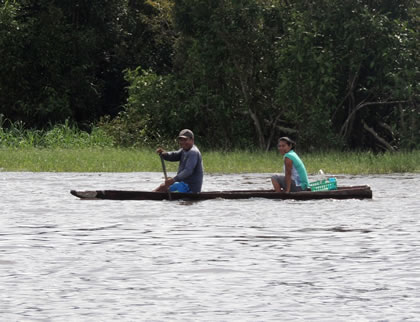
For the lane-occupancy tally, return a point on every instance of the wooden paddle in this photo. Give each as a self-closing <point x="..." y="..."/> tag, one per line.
<point x="165" y="174"/>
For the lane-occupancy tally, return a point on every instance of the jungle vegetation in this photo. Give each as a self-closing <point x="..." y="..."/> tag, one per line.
<point x="330" y="74"/>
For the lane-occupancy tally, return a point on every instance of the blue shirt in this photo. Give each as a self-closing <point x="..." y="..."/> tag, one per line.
<point x="190" y="168"/>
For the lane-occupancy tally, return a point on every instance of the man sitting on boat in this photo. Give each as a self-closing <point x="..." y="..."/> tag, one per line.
<point x="295" y="178"/>
<point x="189" y="177"/>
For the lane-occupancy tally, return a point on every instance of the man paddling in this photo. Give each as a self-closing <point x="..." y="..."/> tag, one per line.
<point x="189" y="177"/>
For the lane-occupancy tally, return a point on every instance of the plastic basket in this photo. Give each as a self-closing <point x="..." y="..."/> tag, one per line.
<point x="320" y="185"/>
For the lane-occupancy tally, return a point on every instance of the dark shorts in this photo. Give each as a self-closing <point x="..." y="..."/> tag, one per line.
<point x="282" y="182"/>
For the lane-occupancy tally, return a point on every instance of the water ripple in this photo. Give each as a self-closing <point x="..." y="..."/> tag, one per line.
<point x="63" y="259"/>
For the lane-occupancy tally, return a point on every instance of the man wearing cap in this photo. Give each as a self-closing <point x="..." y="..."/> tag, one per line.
<point x="189" y="177"/>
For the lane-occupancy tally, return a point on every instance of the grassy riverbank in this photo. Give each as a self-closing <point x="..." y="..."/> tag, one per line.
<point x="108" y="159"/>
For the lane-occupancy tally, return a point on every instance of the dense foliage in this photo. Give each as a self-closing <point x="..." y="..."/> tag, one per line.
<point x="63" y="136"/>
<point x="64" y="59"/>
<point x="240" y="73"/>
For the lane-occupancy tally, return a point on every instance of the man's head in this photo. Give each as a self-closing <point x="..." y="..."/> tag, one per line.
<point x="186" y="139"/>
<point x="186" y="134"/>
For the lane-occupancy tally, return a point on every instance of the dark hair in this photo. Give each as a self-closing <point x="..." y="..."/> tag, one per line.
<point x="288" y="141"/>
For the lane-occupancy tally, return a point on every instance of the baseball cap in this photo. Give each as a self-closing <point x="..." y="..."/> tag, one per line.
<point x="187" y="134"/>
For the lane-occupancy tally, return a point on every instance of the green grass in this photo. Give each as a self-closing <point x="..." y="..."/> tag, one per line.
<point x="109" y="159"/>
<point x="329" y="162"/>
<point x="78" y="160"/>
<point x="65" y="148"/>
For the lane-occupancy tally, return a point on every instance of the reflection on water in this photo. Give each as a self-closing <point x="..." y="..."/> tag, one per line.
<point x="66" y="259"/>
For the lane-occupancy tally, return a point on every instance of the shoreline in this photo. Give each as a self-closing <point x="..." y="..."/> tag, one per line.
<point x="215" y="162"/>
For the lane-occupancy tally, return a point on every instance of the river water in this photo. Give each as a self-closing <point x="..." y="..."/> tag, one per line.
<point x="65" y="259"/>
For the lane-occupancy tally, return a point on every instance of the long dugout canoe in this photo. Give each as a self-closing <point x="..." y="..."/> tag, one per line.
<point x="354" y="192"/>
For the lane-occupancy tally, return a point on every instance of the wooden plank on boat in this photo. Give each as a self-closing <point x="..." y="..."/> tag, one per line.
<point x="355" y="192"/>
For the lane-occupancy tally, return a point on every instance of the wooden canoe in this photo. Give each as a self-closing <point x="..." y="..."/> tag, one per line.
<point x="354" y="192"/>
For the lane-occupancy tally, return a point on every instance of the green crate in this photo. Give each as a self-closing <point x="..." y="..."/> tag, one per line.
<point x="320" y="185"/>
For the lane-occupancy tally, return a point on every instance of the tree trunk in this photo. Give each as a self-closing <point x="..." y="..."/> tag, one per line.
<point x="378" y="138"/>
<point x="344" y="128"/>
<point x="245" y="88"/>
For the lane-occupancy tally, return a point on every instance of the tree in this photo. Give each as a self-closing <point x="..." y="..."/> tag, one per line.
<point x="226" y="49"/>
<point x="378" y="68"/>
<point x="65" y="59"/>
